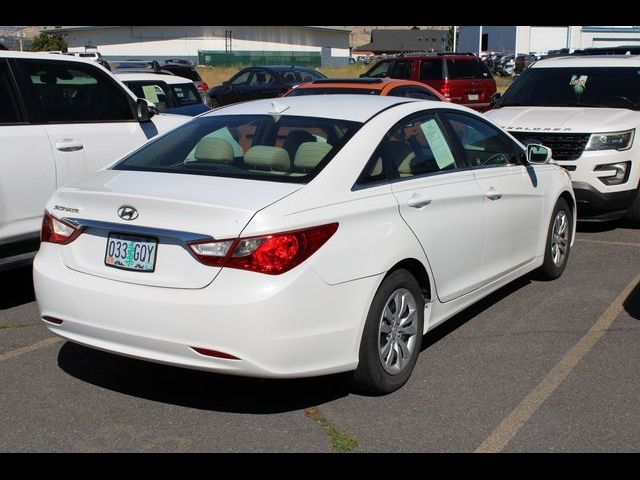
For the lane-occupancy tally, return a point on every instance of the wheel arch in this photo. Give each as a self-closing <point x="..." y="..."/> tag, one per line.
<point x="571" y="201"/>
<point x="419" y="271"/>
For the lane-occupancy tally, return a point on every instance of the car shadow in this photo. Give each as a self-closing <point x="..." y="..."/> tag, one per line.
<point x="455" y="322"/>
<point x="17" y="287"/>
<point x="632" y="303"/>
<point x="194" y="388"/>
<point x="597" y="227"/>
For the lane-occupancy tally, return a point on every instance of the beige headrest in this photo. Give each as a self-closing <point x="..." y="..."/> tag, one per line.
<point x="268" y="158"/>
<point x="214" y="149"/>
<point x="310" y="154"/>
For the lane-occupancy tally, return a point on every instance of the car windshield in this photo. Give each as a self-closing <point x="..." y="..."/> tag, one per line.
<point x="262" y="147"/>
<point x="186" y="94"/>
<point x="611" y="87"/>
<point x="330" y="91"/>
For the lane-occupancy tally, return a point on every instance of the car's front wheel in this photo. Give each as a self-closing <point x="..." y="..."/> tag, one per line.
<point x="392" y="335"/>
<point x="558" y="243"/>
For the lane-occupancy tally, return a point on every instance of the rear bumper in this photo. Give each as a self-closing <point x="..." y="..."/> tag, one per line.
<point x="292" y="325"/>
<point x="596" y="206"/>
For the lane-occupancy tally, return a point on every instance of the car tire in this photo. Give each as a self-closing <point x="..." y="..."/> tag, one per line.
<point x="214" y="102"/>
<point x="558" y="244"/>
<point x="633" y="214"/>
<point x="391" y="342"/>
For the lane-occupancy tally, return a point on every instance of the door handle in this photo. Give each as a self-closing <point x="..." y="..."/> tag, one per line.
<point x="418" y="201"/>
<point x="493" y="194"/>
<point x="69" y="145"/>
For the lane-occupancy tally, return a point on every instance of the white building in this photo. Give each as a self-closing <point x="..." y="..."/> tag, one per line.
<point x="317" y="46"/>
<point x="525" y="39"/>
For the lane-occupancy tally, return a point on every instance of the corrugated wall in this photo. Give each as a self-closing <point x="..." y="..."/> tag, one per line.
<point x="185" y="41"/>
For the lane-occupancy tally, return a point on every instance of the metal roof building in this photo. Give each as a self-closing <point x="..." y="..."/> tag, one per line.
<point x="309" y="45"/>
<point x="525" y="39"/>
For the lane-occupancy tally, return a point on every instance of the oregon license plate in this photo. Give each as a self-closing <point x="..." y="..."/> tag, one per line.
<point x="473" y="96"/>
<point x="131" y="252"/>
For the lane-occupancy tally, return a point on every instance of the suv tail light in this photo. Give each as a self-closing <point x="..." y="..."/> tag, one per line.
<point x="272" y="254"/>
<point x="57" y="231"/>
<point x="446" y="89"/>
<point x="203" y="87"/>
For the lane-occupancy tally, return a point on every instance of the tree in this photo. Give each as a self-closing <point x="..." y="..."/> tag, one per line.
<point x="46" y="42"/>
<point x="450" y="46"/>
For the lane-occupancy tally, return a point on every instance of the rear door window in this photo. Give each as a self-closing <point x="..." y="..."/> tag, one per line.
<point x="431" y="69"/>
<point x="401" y="69"/>
<point x="186" y="94"/>
<point x="466" y="69"/>
<point x="74" y="92"/>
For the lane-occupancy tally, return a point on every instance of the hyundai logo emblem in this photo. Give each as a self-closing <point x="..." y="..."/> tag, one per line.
<point x="127" y="212"/>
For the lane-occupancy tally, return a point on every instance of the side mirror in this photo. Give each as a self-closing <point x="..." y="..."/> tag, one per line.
<point x="495" y="99"/>
<point x="145" y="109"/>
<point x="538" y="154"/>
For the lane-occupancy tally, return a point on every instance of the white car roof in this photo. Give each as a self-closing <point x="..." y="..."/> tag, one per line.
<point x="589" y="61"/>
<point x="46" y="56"/>
<point x="141" y="76"/>
<point x="358" y="108"/>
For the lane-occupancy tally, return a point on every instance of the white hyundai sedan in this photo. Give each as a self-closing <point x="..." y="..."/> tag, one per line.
<point x="300" y="236"/>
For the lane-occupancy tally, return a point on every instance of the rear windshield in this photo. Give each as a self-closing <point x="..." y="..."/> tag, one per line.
<point x="466" y="69"/>
<point x="262" y="147"/>
<point x="185" y="72"/>
<point x="329" y="91"/>
<point x="611" y="87"/>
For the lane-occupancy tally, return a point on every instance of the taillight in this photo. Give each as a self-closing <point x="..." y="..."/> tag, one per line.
<point x="272" y="254"/>
<point x="203" y="87"/>
<point x="445" y="89"/>
<point x="57" y="231"/>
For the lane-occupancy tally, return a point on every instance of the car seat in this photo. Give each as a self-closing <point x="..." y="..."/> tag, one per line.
<point x="294" y="139"/>
<point x="272" y="159"/>
<point x="310" y="154"/>
<point x="213" y="149"/>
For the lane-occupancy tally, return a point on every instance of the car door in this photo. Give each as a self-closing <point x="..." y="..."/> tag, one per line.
<point x="237" y="88"/>
<point x="264" y="85"/>
<point x="441" y="203"/>
<point x="513" y="194"/>
<point x="89" y="118"/>
<point x="28" y="175"/>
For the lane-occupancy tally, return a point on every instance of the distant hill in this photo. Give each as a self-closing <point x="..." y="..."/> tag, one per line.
<point x="10" y="36"/>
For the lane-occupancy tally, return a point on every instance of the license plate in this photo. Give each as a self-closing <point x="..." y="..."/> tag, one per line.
<point x="130" y="252"/>
<point x="473" y="96"/>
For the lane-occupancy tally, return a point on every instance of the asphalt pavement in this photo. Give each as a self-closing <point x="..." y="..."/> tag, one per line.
<point x="535" y="367"/>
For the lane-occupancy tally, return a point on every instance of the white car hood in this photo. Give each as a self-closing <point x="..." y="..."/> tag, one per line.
<point x="564" y="119"/>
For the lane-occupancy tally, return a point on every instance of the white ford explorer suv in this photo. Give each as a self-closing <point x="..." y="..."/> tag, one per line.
<point x="60" y="118"/>
<point x="587" y="110"/>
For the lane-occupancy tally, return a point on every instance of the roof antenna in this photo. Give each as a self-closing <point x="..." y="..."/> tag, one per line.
<point x="277" y="109"/>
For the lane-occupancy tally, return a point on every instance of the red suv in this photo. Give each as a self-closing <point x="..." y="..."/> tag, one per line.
<point x="462" y="78"/>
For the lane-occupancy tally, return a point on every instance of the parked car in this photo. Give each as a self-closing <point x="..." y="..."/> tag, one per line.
<point x="61" y="117"/>
<point x="252" y="83"/>
<point x="367" y="86"/>
<point x="95" y="56"/>
<point x="300" y="236"/>
<point x="462" y="78"/>
<point x="587" y="110"/>
<point x="169" y="93"/>
<point x="186" y="69"/>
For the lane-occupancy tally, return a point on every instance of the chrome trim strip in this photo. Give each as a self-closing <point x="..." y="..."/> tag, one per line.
<point x="183" y="237"/>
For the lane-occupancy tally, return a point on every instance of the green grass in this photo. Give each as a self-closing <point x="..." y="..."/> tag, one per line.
<point x="341" y="441"/>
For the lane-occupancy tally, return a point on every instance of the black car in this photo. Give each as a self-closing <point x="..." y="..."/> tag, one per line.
<point x="186" y="69"/>
<point x="252" y="83"/>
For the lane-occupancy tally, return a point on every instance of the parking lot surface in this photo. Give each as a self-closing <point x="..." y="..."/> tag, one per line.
<point x="535" y="367"/>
